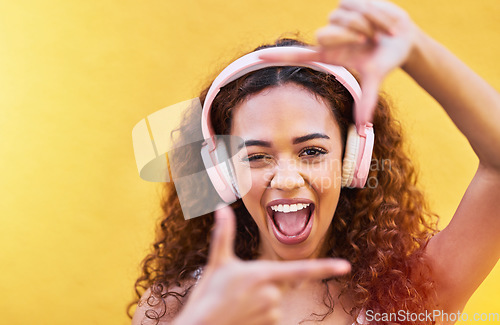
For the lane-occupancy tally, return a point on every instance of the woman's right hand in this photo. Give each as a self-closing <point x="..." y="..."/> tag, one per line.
<point x="373" y="37"/>
<point x="232" y="291"/>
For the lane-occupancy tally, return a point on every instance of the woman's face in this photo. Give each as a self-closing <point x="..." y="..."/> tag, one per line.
<point x="293" y="151"/>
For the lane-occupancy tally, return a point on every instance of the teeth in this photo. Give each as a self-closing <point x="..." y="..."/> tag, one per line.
<point x="289" y="207"/>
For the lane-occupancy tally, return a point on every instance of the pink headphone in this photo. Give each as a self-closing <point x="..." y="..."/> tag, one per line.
<point x="359" y="144"/>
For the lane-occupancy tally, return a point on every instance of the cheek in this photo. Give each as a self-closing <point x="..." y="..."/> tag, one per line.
<point x="256" y="184"/>
<point x="259" y="181"/>
<point x="325" y="177"/>
<point x="247" y="179"/>
<point x="251" y="202"/>
<point x="327" y="183"/>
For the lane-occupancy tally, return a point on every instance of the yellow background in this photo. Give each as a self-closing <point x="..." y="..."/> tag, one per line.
<point x="76" y="76"/>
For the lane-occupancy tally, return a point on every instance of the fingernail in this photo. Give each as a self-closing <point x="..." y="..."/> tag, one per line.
<point x="343" y="265"/>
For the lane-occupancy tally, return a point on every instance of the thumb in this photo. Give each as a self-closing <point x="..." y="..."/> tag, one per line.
<point x="222" y="243"/>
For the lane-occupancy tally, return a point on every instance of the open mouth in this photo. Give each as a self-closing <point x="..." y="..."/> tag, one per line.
<point x="291" y="223"/>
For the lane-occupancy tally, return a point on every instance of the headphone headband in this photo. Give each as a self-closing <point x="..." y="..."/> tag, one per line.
<point x="252" y="62"/>
<point x="150" y="136"/>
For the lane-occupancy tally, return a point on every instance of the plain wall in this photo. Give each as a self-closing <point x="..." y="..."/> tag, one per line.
<point x="76" y="76"/>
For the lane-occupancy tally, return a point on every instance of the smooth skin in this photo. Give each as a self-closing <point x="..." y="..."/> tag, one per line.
<point x="374" y="38"/>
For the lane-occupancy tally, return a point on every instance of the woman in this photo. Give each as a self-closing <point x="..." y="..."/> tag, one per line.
<point x="384" y="231"/>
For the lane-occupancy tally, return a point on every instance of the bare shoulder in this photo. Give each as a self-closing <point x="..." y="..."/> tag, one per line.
<point x="160" y="304"/>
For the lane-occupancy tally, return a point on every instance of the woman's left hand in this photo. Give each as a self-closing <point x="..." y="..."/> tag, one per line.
<point x="372" y="37"/>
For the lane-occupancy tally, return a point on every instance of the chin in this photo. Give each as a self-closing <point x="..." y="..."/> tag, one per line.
<point x="296" y="253"/>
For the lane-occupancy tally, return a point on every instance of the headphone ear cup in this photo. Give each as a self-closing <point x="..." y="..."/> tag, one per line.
<point x="232" y="178"/>
<point x="216" y="166"/>
<point x="351" y="155"/>
<point x="357" y="157"/>
<point x="226" y="167"/>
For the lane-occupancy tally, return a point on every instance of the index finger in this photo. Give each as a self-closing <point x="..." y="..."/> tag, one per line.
<point x="301" y="270"/>
<point x="380" y="13"/>
<point x="380" y="16"/>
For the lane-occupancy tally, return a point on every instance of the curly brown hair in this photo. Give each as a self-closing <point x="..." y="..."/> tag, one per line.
<point x="381" y="230"/>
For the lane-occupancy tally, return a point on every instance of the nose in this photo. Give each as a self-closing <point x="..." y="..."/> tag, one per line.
<point x="286" y="176"/>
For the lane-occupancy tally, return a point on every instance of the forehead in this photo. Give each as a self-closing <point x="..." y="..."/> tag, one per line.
<point x="283" y="111"/>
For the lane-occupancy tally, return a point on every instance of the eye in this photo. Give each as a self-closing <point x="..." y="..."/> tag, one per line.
<point x="312" y="152"/>
<point x="257" y="160"/>
<point x="257" y="157"/>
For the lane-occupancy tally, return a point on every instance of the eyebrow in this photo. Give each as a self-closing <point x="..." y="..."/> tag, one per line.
<point x="262" y="143"/>
<point x="310" y="137"/>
